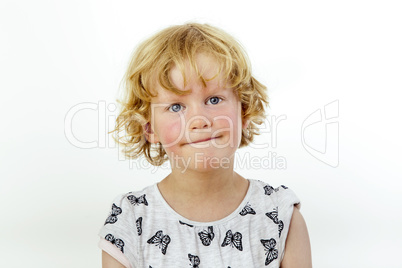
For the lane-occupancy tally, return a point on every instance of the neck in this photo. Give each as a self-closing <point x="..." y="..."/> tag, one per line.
<point x="195" y="186"/>
<point x="204" y="196"/>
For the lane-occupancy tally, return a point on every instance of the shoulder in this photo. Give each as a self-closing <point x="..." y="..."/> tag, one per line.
<point x="281" y="195"/>
<point x="135" y="197"/>
<point x="282" y="206"/>
<point x="124" y="208"/>
<point x="297" y="248"/>
<point x="123" y="227"/>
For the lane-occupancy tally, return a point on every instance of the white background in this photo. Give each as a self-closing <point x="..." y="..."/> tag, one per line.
<point x="55" y="195"/>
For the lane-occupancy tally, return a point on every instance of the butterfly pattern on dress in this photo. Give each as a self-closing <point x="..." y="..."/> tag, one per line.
<point x="183" y="223"/>
<point x="194" y="260"/>
<point x="115" y="241"/>
<point x="138" y="223"/>
<point x="272" y="252"/>
<point x="280" y="227"/>
<point x="247" y="210"/>
<point x="233" y="240"/>
<point x="113" y="214"/>
<point x="206" y="237"/>
<point x="273" y="215"/>
<point x="160" y="240"/>
<point x="268" y="189"/>
<point x="137" y="201"/>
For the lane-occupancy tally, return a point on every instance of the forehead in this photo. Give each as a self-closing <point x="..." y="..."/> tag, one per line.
<point x="203" y="75"/>
<point x="203" y="67"/>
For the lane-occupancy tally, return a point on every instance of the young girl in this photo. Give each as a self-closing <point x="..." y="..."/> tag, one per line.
<point x="191" y="99"/>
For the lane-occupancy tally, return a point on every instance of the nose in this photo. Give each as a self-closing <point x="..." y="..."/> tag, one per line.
<point x="199" y="119"/>
<point x="199" y="122"/>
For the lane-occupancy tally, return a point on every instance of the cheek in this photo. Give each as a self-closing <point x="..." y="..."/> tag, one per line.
<point x="229" y="124"/>
<point x="170" y="132"/>
<point x="230" y="119"/>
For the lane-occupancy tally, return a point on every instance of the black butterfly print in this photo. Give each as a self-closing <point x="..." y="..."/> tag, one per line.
<point x="271" y="253"/>
<point x="115" y="241"/>
<point x="113" y="214"/>
<point x="284" y="187"/>
<point x="273" y="215"/>
<point x="136" y="201"/>
<point x="183" y="223"/>
<point x="160" y="240"/>
<point x="280" y="227"/>
<point x="268" y="189"/>
<point x="247" y="210"/>
<point x="194" y="260"/>
<point x="233" y="239"/>
<point x="138" y="222"/>
<point x="207" y="236"/>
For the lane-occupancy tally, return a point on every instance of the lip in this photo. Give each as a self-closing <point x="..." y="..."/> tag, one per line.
<point x="208" y="139"/>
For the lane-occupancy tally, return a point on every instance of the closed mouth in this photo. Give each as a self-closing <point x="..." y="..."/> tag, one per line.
<point x="203" y="140"/>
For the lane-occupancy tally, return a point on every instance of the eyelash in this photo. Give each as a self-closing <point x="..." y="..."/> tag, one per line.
<point x="169" y="108"/>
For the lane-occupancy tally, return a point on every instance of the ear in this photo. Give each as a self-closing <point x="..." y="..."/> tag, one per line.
<point x="149" y="133"/>
<point x="245" y="123"/>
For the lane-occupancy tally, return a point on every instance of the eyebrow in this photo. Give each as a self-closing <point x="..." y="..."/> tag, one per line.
<point x="172" y="96"/>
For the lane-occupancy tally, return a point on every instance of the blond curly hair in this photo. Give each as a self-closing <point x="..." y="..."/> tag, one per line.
<point x="151" y="63"/>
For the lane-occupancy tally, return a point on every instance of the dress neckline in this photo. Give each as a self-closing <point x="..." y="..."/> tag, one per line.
<point x="211" y="223"/>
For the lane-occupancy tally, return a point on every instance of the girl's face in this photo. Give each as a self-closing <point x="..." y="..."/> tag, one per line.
<point x="200" y="130"/>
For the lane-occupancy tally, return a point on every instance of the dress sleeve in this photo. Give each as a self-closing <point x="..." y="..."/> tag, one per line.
<point x="286" y="199"/>
<point x="118" y="234"/>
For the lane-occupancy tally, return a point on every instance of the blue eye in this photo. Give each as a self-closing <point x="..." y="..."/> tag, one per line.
<point x="175" y="108"/>
<point x="214" y="100"/>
